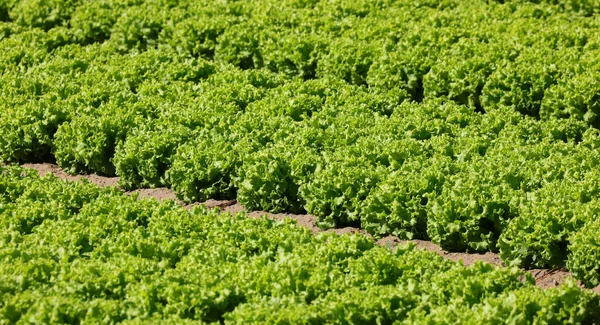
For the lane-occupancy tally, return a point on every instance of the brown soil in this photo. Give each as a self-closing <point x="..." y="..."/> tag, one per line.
<point x="157" y="193"/>
<point x="544" y="278"/>
<point x="44" y="169"/>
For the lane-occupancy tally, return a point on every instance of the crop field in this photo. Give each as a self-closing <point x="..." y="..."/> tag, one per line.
<point x="470" y="125"/>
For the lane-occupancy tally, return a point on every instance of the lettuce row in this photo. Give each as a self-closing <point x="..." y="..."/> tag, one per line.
<point x="75" y="253"/>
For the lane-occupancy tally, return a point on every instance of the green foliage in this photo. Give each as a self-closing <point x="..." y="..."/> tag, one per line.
<point x="87" y="144"/>
<point x="524" y="306"/>
<point x="293" y="54"/>
<point x="138" y="28"/>
<point x="336" y="191"/>
<point x="269" y="179"/>
<point x="24" y="50"/>
<point x="403" y="69"/>
<point x="471" y="123"/>
<point x="239" y="45"/>
<point x="398" y="205"/>
<point x="194" y="36"/>
<point x="29" y="131"/>
<point x="469" y="216"/>
<point x="461" y="72"/>
<point x="521" y="84"/>
<point x="349" y="60"/>
<point x="575" y="98"/>
<point x="203" y="168"/>
<point x="539" y="236"/>
<point x="144" y="157"/>
<point x="93" y="21"/>
<point x="583" y="254"/>
<point x="583" y="7"/>
<point x="85" y="254"/>
<point x="44" y="14"/>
